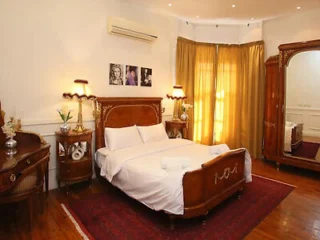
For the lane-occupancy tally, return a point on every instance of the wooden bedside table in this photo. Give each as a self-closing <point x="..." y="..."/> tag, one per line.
<point x="71" y="170"/>
<point x="177" y="129"/>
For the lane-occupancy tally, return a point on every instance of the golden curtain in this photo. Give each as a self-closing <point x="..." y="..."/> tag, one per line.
<point x="252" y="79"/>
<point x="204" y="93"/>
<point x="227" y="92"/>
<point x="228" y="96"/>
<point x="240" y="96"/>
<point x="185" y="62"/>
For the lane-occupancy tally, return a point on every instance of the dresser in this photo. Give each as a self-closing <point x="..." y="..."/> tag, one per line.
<point x="23" y="174"/>
<point x="31" y="151"/>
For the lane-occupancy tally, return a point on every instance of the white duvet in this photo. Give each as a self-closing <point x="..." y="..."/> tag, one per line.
<point x="137" y="171"/>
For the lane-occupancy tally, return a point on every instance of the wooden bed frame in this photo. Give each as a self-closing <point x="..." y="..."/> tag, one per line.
<point x="203" y="188"/>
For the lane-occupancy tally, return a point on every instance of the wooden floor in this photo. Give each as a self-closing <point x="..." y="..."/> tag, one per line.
<point x="297" y="217"/>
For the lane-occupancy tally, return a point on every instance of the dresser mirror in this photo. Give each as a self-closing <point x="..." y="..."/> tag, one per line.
<point x="299" y="120"/>
<point x="302" y="106"/>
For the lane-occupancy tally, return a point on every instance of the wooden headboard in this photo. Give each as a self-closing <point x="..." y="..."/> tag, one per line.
<point x="124" y="112"/>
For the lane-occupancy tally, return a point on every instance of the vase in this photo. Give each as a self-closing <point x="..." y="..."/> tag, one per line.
<point x="184" y="116"/>
<point x="65" y="128"/>
<point x="11" y="143"/>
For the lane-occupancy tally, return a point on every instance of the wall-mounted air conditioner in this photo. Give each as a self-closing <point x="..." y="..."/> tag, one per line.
<point x="130" y="29"/>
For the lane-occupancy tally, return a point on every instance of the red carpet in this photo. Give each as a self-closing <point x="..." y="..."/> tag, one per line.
<point x="116" y="216"/>
<point x="307" y="150"/>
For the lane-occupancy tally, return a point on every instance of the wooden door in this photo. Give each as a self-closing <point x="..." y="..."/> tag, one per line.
<point x="270" y="138"/>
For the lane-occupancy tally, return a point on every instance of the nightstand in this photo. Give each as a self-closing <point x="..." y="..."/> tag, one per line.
<point x="69" y="169"/>
<point x="177" y="129"/>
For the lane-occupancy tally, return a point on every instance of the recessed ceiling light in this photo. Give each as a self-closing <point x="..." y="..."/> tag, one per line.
<point x="169" y="4"/>
<point x="233" y="5"/>
<point x="298" y="8"/>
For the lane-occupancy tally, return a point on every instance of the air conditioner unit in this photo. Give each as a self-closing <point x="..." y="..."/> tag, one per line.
<point x="130" y="29"/>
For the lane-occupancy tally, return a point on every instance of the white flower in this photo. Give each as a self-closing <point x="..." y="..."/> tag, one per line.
<point x="186" y="107"/>
<point x="9" y="129"/>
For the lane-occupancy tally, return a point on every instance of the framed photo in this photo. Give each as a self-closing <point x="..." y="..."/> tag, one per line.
<point x="116" y="74"/>
<point x="146" y="77"/>
<point x="131" y="75"/>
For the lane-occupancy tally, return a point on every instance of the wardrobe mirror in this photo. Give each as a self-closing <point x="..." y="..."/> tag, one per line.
<point x="302" y="106"/>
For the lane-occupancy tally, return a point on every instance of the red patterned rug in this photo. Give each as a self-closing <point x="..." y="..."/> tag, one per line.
<point x="116" y="216"/>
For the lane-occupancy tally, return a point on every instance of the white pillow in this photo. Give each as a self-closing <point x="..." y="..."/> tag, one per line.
<point x="152" y="133"/>
<point x="118" y="138"/>
<point x="105" y="139"/>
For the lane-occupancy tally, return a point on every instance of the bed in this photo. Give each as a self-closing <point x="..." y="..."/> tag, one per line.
<point x="293" y="136"/>
<point x="203" y="188"/>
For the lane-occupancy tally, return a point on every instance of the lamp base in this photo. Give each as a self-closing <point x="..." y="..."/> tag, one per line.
<point x="79" y="128"/>
<point x="176" y="119"/>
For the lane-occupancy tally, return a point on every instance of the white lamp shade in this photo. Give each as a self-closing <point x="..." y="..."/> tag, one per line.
<point x="177" y="93"/>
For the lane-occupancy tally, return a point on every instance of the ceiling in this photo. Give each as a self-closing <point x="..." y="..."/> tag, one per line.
<point x="222" y="12"/>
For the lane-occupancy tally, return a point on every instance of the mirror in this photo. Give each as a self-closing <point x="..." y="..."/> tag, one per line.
<point x="302" y="106"/>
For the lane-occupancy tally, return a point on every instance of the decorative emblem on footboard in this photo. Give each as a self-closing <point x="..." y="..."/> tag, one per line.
<point x="226" y="173"/>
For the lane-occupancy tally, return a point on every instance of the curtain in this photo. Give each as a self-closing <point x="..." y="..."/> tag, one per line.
<point x="204" y="93"/>
<point x="225" y="84"/>
<point x="185" y="62"/>
<point x="228" y="97"/>
<point x="253" y="84"/>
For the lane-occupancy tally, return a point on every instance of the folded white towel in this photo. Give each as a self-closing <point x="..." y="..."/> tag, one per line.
<point x="218" y="149"/>
<point x="175" y="163"/>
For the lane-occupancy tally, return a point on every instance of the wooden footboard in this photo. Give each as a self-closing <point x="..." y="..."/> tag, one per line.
<point x="205" y="188"/>
<point x="217" y="180"/>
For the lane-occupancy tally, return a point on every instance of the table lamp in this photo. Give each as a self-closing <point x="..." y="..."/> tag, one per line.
<point x="81" y="92"/>
<point x="177" y="95"/>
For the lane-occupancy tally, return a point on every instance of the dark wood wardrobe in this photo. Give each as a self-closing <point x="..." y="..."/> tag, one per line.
<point x="275" y="106"/>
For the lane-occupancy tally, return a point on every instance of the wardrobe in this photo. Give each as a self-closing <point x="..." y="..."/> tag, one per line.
<point x="292" y="114"/>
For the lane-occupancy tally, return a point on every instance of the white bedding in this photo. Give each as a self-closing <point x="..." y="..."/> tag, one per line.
<point x="137" y="171"/>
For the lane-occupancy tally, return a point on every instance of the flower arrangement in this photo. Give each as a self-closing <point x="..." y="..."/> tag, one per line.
<point x="65" y="113"/>
<point x="185" y="107"/>
<point x="10" y="128"/>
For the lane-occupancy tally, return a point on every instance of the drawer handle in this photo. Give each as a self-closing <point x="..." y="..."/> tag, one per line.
<point x="28" y="162"/>
<point x="12" y="177"/>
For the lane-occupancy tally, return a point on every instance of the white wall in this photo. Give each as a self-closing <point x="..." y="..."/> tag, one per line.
<point x="250" y="33"/>
<point x="222" y="34"/>
<point x="45" y="45"/>
<point x="186" y="30"/>
<point x="302" y="26"/>
<point x="228" y="34"/>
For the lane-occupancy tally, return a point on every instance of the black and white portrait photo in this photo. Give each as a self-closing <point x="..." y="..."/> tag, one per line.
<point x="131" y="75"/>
<point x="116" y="74"/>
<point x="146" y="77"/>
